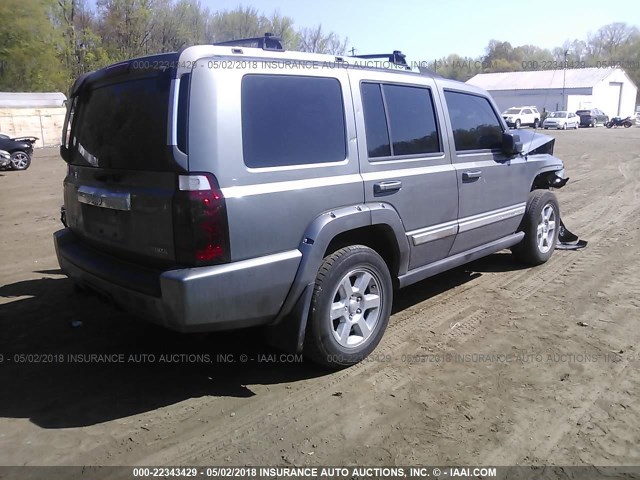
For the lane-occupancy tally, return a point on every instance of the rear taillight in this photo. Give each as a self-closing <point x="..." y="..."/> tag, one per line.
<point x="200" y="227"/>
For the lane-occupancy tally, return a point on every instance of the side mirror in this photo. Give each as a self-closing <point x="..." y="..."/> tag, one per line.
<point x="511" y="144"/>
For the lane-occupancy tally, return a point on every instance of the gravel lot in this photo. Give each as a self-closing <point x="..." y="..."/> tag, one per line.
<point x="488" y="364"/>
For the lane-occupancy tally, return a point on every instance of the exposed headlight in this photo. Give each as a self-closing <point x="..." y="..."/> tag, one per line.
<point x="5" y="155"/>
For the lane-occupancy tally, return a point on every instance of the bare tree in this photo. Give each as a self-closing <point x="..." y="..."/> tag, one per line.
<point x="317" y="41"/>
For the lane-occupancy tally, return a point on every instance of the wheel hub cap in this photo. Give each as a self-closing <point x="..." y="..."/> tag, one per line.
<point x="356" y="307"/>
<point x="546" y="230"/>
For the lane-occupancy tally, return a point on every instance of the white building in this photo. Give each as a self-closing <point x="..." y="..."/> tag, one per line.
<point x="38" y="115"/>
<point x="31" y="100"/>
<point x="609" y="89"/>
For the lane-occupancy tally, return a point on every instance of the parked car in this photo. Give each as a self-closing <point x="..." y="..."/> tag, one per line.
<point x="295" y="199"/>
<point x="519" y="116"/>
<point x="561" y="120"/>
<point x="20" y="151"/>
<point x="592" y="117"/>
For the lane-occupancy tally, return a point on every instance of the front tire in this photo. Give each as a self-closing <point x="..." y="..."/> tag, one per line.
<point x="536" y="123"/>
<point x="540" y="224"/>
<point x="350" y="307"/>
<point x="20" y="160"/>
<point x="608" y="124"/>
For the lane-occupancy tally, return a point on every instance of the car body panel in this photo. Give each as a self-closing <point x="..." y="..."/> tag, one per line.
<point x="282" y="219"/>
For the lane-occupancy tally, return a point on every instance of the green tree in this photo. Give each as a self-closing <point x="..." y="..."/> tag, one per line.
<point x="29" y="48"/>
<point x="125" y="27"/>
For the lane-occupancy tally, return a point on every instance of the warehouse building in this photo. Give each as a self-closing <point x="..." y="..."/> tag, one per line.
<point x="609" y="89"/>
<point x="26" y="114"/>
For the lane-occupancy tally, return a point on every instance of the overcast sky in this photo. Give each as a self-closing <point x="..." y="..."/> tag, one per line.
<point x="425" y="30"/>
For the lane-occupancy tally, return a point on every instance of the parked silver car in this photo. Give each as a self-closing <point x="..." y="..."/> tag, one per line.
<point x="230" y="186"/>
<point x="561" y="121"/>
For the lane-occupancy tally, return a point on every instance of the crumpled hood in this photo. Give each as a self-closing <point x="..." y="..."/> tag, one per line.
<point x="532" y="139"/>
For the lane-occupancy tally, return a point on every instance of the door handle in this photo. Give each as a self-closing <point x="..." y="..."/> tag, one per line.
<point x="472" y="175"/>
<point x="390" y="186"/>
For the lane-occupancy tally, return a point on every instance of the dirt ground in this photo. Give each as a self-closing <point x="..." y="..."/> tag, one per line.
<point x="489" y="364"/>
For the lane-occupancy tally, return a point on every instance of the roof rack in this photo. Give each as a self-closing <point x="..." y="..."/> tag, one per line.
<point x="397" y="57"/>
<point x="268" y="42"/>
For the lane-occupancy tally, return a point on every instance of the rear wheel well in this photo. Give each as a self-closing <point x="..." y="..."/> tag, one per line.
<point x="377" y="237"/>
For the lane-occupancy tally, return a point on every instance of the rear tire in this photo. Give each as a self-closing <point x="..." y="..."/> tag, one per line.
<point x="540" y="224"/>
<point x="627" y="124"/>
<point x="608" y="124"/>
<point x="350" y="307"/>
<point x="20" y="160"/>
<point x="517" y="124"/>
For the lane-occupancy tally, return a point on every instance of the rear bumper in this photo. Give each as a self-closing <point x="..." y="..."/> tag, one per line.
<point x="235" y="295"/>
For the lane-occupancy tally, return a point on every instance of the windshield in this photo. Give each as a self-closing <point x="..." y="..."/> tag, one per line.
<point x="512" y="111"/>
<point x="558" y="115"/>
<point x="123" y="125"/>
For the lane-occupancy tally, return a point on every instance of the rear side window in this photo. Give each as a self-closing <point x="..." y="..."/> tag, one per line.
<point x="399" y="120"/>
<point x="292" y="120"/>
<point x="375" y="121"/>
<point x="475" y="124"/>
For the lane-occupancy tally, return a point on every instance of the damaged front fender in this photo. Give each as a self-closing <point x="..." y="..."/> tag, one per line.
<point x="540" y="147"/>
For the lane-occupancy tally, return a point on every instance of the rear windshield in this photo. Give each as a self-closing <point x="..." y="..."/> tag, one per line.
<point x="512" y="111"/>
<point x="123" y="125"/>
<point x="583" y="112"/>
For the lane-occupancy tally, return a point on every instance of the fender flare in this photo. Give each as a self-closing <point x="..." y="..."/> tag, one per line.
<point x="288" y="329"/>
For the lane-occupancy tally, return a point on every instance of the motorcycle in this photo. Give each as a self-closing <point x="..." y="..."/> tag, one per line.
<point x="5" y="159"/>
<point x="619" y="122"/>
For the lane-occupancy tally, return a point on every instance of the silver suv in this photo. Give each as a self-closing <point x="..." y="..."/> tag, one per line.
<point x="227" y="186"/>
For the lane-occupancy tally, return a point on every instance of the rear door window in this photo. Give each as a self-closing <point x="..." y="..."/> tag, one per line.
<point x="399" y="120"/>
<point x="292" y="120"/>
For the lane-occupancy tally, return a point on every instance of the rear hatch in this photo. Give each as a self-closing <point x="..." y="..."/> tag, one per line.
<point x="585" y="115"/>
<point x="122" y="176"/>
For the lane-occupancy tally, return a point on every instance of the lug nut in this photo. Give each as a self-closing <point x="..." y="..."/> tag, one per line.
<point x="358" y="311"/>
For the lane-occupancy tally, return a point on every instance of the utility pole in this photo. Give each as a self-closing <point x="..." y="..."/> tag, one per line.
<point x="353" y="51"/>
<point x="564" y="79"/>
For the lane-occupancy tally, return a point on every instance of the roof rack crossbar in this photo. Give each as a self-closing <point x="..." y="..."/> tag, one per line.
<point x="397" y="57"/>
<point x="268" y="42"/>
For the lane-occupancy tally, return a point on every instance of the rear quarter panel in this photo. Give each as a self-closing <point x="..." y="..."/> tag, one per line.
<point x="269" y="209"/>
